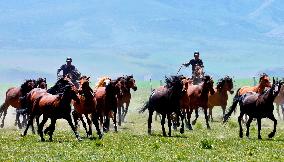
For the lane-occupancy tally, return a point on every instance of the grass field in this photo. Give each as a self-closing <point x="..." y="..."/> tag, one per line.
<point x="132" y="143"/>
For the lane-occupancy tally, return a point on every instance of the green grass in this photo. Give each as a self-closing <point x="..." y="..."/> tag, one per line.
<point x="132" y="143"/>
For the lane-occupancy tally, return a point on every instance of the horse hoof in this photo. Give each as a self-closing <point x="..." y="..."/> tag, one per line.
<point x="42" y="140"/>
<point x="259" y="137"/>
<point x="241" y="135"/>
<point x="149" y="132"/>
<point x="193" y="122"/>
<point x="100" y="136"/>
<point x="271" y="135"/>
<point x="79" y="139"/>
<point x="2" y="125"/>
<point x="164" y="134"/>
<point x="181" y="130"/>
<point x="208" y="127"/>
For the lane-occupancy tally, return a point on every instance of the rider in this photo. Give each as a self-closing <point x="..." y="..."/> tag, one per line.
<point x="194" y="62"/>
<point x="71" y="70"/>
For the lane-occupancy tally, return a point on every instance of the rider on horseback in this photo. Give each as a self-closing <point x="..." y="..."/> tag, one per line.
<point x="71" y="70"/>
<point x="194" y="62"/>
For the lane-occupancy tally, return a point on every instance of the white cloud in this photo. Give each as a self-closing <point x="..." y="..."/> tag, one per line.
<point x="261" y="8"/>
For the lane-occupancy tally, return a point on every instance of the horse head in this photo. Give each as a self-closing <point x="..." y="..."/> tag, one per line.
<point x="28" y="85"/>
<point x="208" y="84"/>
<point x="225" y="84"/>
<point x="186" y="82"/>
<point x="130" y="82"/>
<point x="41" y="83"/>
<point x="264" y="80"/>
<point x="70" y="94"/>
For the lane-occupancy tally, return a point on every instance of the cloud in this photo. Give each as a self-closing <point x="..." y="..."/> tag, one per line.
<point x="260" y="9"/>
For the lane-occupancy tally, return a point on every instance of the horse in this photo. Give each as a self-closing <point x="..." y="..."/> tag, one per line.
<point x="279" y="101"/>
<point x="29" y="99"/>
<point x="165" y="101"/>
<point x="128" y="82"/>
<point x="220" y="97"/>
<point x="41" y="84"/>
<point x="13" y="96"/>
<point x="86" y="106"/>
<point x="54" y="107"/>
<point x="102" y="82"/>
<point x="197" y="75"/>
<point x="107" y="102"/>
<point x="197" y="96"/>
<point x="263" y="83"/>
<point x="258" y="106"/>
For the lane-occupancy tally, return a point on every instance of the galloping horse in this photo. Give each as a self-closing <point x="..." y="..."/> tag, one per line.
<point x="86" y="106"/>
<point x="41" y="84"/>
<point x="198" y="75"/>
<point x="107" y="101"/>
<point x="220" y="97"/>
<point x="197" y="96"/>
<point x="54" y="107"/>
<point x="128" y="82"/>
<point x="258" y="106"/>
<point x="166" y="100"/>
<point x="263" y="83"/>
<point x="13" y="96"/>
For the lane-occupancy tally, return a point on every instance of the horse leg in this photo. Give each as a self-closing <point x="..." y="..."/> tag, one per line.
<point x="40" y="127"/>
<point x="271" y="117"/>
<point x="169" y="124"/>
<point x="30" y="123"/>
<point x="196" y="116"/>
<point x="179" y="113"/>
<point x="95" y="118"/>
<point x="150" y="121"/>
<point x="248" y="125"/>
<point x="259" y="127"/>
<point x="17" y="118"/>
<point x="206" y="118"/>
<point x="51" y="128"/>
<point x="75" y="116"/>
<point x="69" y="119"/>
<point x="83" y="123"/>
<point x="3" y="109"/>
<point x="119" y="115"/>
<point x="277" y="109"/>
<point x="106" y="124"/>
<point x="210" y="114"/>
<point x="282" y="108"/>
<point x="114" y="121"/>
<point x="90" y="132"/>
<point x="240" y="124"/>
<point x="125" y="110"/>
<point x="163" y="121"/>
<point x="188" y="118"/>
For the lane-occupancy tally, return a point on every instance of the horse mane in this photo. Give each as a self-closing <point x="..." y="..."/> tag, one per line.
<point x="100" y="83"/>
<point x="172" y="81"/>
<point x="221" y="82"/>
<point x="24" y="87"/>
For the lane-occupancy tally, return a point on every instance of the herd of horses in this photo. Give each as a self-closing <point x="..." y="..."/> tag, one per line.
<point x="110" y="99"/>
<point x="97" y="105"/>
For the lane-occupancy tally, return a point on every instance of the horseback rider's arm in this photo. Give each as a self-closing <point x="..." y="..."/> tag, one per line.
<point x="58" y="70"/>
<point x="187" y="64"/>
<point x="201" y="64"/>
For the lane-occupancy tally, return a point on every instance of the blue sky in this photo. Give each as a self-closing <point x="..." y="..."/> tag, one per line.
<point x="144" y="38"/>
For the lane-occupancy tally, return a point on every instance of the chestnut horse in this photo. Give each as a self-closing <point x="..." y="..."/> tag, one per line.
<point x="107" y="102"/>
<point x="86" y="106"/>
<point x="13" y="96"/>
<point x="166" y="100"/>
<point x="54" y="107"/>
<point x="29" y="99"/>
<point x="41" y="84"/>
<point x="220" y="97"/>
<point x="128" y="82"/>
<point x="263" y="83"/>
<point x="197" y="96"/>
<point x="258" y="106"/>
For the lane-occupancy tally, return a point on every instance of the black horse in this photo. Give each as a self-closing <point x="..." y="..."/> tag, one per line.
<point x="166" y="100"/>
<point x="258" y="106"/>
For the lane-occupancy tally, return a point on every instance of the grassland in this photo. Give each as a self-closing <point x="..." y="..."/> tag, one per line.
<point x="132" y="143"/>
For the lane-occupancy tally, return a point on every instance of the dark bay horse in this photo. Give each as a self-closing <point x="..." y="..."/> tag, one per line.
<point x="263" y="83"/>
<point x="128" y="82"/>
<point x="107" y="102"/>
<point x="54" y="107"/>
<point x="86" y="107"/>
<point x="165" y="101"/>
<point x="258" y="106"/>
<point x="195" y="97"/>
<point x="40" y="84"/>
<point x="220" y="97"/>
<point x="13" y="96"/>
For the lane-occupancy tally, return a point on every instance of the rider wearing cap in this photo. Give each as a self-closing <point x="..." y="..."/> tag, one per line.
<point x="194" y="62"/>
<point x="70" y="69"/>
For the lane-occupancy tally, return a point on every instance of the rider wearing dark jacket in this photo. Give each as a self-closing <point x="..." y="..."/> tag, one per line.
<point x="194" y="62"/>
<point x="70" y="69"/>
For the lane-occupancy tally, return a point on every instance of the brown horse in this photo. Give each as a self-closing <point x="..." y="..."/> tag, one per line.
<point x="13" y="96"/>
<point x="107" y="102"/>
<point x="86" y="107"/>
<point x="263" y="83"/>
<point x="41" y="85"/>
<point x="197" y="96"/>
<point x="165" y="101"/>
<point x="220" y="97"/>
<point x="128" y="82"/>
<point x="54" y="107"/>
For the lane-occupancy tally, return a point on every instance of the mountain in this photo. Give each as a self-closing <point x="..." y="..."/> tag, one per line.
<point x="144" y="38"/>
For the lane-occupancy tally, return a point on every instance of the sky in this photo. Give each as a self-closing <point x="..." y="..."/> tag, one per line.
<point x="149" y="38"/>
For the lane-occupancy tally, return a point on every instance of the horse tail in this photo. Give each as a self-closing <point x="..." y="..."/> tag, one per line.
<point x="145" y="107"/>
<point x="233" y="107"/>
